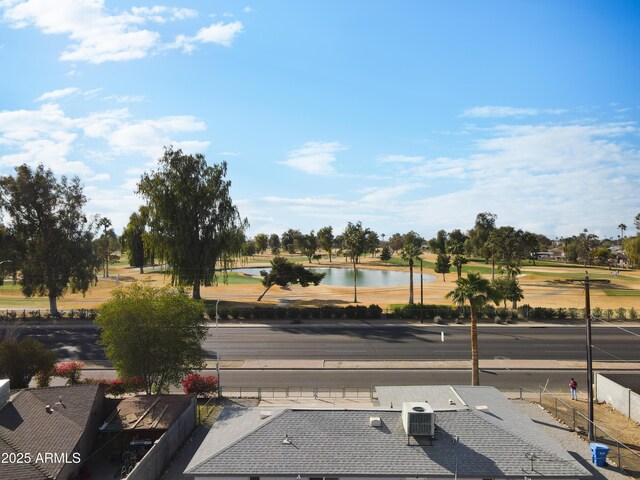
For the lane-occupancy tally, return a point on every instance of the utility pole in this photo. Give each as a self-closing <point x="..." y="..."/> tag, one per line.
<point x="421" y="291"/>
<point x="587" y="317"/>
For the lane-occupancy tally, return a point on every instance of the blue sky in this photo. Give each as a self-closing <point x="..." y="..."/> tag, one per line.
<point x="404" y="114"/>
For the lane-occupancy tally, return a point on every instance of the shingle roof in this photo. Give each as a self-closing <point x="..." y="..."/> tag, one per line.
<point x="26" y="427"/>
<point x="494" y="443"/>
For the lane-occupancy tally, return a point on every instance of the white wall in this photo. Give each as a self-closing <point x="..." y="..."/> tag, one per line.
<point x="621" y="398"/>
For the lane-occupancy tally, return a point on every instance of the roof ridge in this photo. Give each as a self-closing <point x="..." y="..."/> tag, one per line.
<point x="251" y="432"/>
<point x="34" y="395"/>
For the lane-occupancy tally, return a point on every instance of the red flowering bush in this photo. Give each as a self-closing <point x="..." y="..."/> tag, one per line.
<point x="72" y="371"/>
<point x="118" y="386"/>
<point x="200" y="385"/>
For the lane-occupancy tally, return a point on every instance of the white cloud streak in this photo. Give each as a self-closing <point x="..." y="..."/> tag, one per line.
<point x="219" y="33"/>
<point x="316" y="158"/>
<point x="57" y="94"/>
<point x="492" y="111"/>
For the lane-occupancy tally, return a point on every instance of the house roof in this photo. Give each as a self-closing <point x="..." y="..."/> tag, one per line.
<point x="492" y="443"/>
<point x="147" y="412"/>
<point x="26" y="427"/>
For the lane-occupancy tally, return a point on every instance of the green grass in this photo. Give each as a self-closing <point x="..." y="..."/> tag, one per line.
<point x="235" y="278"/>
<point x="622" y="293"/>
<point x="578" y="275"/>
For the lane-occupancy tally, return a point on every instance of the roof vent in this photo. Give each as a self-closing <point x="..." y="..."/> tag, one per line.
<point x="418" y="419"/>
<point x="375" y="422"/>
<point x="4" y="392"/>
<point x="286" y="440"/>
<point x="482" y="408"/>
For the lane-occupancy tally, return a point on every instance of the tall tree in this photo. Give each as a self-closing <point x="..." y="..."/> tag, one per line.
<point x="274" y="243"/>
<point x="456" y="246"/>
<point x="632" y="249"/>
<point x="308" y="245"/>
<point x="285" y="273"/>
<point x="289" y="240"/>
<point x="132" y="239"/>
<point x="106" y="244"/>
<point x="438" y="244"/>
<point x="197" y="226"/>
<point x="354" y="244"/>
<point x="478" y="292"/>
<point x="443" y="265"/>
<point x="262" y="242"/>
<point x="411" y="249"/>
<point x="622" y="228"/>
<point x="52" y="231"/>
<point x="636" y="221"/>
<point x="479" y="234"/>
<point x="373" y="242"/>
<point x="385" y="254"/>
<point x="154" y="334"/>
<point x="396" y="242"/>
<point x="325" y="239"/>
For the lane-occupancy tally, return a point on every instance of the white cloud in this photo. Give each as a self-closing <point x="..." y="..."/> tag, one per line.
<point x="100" y="177"/>
<point x="124" y="98"/>
<point x="96" y="35"/>
<point x="316" y="158"/>
<point x="57" y="94"/>
<point x="388" y="194"/>
<point x="489" y="111"/>
<point x="49" y="136"/>
<point x="401" y="159"/>
<point x="247" y="9"/>
<point x="219" y="33"/>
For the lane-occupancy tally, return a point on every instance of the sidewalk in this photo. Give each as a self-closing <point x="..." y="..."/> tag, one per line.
<point x="502" y="364"/>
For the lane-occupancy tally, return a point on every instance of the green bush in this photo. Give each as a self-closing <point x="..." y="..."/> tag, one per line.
<point x="633" y="314"/>
<point x="596" y="312"/>
<point x="374" y="311"/>
<point x="621" y="313"/>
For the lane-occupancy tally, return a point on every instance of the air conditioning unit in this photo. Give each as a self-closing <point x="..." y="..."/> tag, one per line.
<point x="418" y="419"/>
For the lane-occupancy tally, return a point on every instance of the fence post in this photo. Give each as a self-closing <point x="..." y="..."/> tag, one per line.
<point x="540" y="387"/>
<point x="259" y="393"/>
<point x="619" y="462"/>
<point x="520" y="393"/>
<point x="574" y="419"/>
<point x="556" y="405"/>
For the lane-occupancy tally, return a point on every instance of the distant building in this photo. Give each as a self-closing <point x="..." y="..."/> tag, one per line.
<point x="418" y="432"/>
<point x="46" y="433"/>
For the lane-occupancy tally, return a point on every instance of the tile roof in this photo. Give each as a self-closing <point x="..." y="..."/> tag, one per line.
<point x="26" y="427"/>
<point x="493" y="443"/>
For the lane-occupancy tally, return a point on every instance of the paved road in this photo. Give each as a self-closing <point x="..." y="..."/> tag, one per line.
<point x="375" y="342"/>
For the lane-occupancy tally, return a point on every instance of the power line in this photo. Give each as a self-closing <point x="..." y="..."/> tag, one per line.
<point x="618" y="327"/>
<point x="616" y="357"/>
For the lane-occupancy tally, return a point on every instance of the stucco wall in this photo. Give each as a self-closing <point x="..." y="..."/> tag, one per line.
<point x="621" y="398"/>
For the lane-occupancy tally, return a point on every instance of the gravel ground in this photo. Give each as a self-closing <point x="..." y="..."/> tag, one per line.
<point x="571" y="442"/>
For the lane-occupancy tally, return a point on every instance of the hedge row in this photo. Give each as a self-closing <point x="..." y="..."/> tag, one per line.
<point x="79" y="314"/>
<point x="415" y="311"/>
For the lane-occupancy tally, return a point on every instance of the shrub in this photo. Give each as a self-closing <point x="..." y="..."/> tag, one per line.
<point x="200" y="385"/>
<point x="43" y="378"/>
<point x="573" y="313"/>
<point x="374" y="311"/>
<point x="21" y="360"/>
<point x="561" y="313"/>
<point x="621" y="313"/>
<point x="438" y="320"/>
<point x="72" y="371"/>
<point x="596" y="312"/>
<point x="498" y="320"/>
<point x="118" y="386"/>
<point x="633" y="314"/>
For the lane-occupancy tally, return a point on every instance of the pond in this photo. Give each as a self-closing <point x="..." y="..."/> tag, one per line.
<point x="343" y="277"/>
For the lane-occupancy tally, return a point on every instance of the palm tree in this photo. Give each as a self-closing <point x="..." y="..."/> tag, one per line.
<point x="411" y="249"/>
<point x="622" y="228"/>
<point x="478" y="292"/>
<point x="354" y="244"/>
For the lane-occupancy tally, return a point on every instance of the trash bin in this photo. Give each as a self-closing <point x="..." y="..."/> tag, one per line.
<point x="599" y="454"/>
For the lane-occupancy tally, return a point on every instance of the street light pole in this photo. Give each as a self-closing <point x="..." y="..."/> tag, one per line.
<point x="218" y="350"/>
